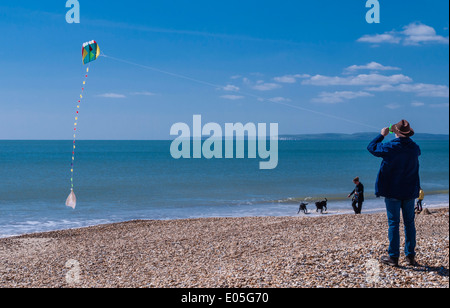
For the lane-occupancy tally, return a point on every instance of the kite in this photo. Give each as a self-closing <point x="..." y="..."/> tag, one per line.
<point x="90" y="52"/>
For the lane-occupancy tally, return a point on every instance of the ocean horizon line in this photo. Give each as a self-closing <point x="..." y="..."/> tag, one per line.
<point x="282" y="137"/>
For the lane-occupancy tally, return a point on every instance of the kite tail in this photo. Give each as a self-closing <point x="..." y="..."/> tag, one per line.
<point x="71" y="200"/>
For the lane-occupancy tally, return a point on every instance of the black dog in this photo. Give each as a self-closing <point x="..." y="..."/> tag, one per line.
<point x="321" y="205"/>
<point x="303" y="208"/>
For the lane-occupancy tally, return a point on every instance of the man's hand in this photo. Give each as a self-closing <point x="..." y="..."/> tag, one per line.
<point x="385" y="131"/>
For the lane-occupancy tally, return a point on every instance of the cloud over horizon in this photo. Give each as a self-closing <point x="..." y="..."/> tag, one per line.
<point x="265" y="86"/>
<point x="414" y="34"/>
<point x="372" y="66"/>
<point x="339" y="96"/>
<point x="111" y="95"/>
<point x="290" y="78"/>
<point x="358" y="80"/>
<point x="232" y="97"/>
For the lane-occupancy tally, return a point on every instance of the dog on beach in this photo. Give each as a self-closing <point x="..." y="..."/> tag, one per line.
<point x="321" y="205"/>
<point x="303" y="208"/>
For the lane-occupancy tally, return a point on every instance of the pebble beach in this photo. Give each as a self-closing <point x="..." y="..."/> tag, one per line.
<point x="334" y="251"/>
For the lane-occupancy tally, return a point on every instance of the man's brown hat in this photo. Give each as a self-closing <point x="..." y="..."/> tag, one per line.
<point x="403" y="129"/>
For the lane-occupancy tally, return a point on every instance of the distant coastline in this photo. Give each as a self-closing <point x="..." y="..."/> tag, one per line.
<point x="295" y="137"/>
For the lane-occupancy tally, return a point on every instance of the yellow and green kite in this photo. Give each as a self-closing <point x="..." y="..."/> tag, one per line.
<point x="90" y="51"/>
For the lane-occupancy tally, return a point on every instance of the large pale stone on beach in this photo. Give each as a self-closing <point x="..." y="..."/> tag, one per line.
<point x="426" y="212"/>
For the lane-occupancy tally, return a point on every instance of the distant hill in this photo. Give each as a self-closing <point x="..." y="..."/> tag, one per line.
<point x="357" y="136"/>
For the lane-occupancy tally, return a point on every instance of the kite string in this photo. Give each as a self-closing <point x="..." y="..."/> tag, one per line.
<point x="163" y="72"/>
<point x="239" y="91"/>
<point x="75" y="130"/>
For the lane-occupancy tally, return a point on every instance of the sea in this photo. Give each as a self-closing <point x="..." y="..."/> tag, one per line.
<point x="118" y="181"/>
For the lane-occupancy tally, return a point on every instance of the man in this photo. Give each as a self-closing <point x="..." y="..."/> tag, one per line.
<point x="358" y="199"/>
<point x="399" y="182"/>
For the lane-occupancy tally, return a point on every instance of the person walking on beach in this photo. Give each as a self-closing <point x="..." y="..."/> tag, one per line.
<point x="358" y="196"/>
<point x="419" y="206"/>
<point x="399" y="182"/>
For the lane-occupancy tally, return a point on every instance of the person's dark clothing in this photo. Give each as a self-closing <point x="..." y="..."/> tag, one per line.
<point x="399" y="173"/>
<point x="399" y="182"/>
<point x="357" y="206"/>
<point x="358" y="198"/>
<point x="358" y="192"/>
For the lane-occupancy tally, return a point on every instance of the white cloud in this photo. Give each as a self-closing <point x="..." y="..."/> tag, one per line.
<point x="380" y="38"/>
<point x="415" y="33"/>
<point x="393" y="106"/>
<point x="232" y="97"/>
<point x="417" y="104"/>
<point x="286" y="79"/>
<point x="339" y="96"/>
<point x="279" y="99"/>
<point x="231" y="88"/>
<point x="372" y="66"/>
<point x="112" y="95"/>
<point x="290" y="78"/>
<point x="359" y="80"/>
<point x="420" y="89"/>
<point x="144" y="93"/>
<point x="265" y="86"/>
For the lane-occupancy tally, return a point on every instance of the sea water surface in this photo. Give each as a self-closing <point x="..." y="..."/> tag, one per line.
<point x="126" y="180"/>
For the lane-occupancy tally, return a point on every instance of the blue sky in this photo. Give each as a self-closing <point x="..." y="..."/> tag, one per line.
<point x="311" y="66"/>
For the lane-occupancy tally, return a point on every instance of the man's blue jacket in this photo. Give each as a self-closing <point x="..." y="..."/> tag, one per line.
<point x="399" y="173"/>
